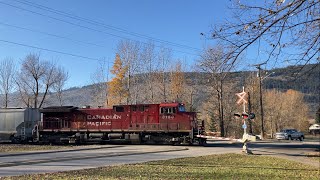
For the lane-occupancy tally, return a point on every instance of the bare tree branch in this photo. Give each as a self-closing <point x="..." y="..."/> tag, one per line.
<point x="287" y="30"/>
<point x="36" y="78"/>
<point x="7" y="75"/>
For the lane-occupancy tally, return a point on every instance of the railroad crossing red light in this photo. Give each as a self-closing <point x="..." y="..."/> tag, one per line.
<point x="248" y="116"/>
<point x="245" y="115"/>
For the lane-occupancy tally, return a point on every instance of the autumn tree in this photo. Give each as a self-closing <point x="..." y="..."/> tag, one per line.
<point x="36" y="78"/>
<point x="117" y="92"/>
<point x="147" y="76"/>
<point x="129" y="54"/>
<point x="278" y="30"/>
<point x="7" y="75"/>
<point x="177" y="83"/>
<point x="285" y="110"/>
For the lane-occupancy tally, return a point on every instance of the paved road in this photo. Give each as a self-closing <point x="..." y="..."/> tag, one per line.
<point x="292" y="150"/>
<point x="64" y="160"/>
<point x="27" y="163"/>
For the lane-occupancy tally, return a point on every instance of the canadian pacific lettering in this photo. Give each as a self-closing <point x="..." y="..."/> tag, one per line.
<point x="93" y="124"/>
<point x="99" y="123"/>
<point x="97" y="117"/>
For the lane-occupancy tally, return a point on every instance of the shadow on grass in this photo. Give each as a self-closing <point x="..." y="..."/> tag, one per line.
<point x="267" y="145"/>
<point x="277" y="153"/>
<point x="238" y="166"/>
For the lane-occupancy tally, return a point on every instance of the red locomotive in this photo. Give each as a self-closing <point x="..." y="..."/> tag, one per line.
<point x="143" y="123"/>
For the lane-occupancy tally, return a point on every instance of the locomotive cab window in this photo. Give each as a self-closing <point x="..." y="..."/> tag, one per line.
<point x="133" y="108"/>
<point x="118" y="108"/>
<point x="182" y="108"/>
<point x="168" y="110"/>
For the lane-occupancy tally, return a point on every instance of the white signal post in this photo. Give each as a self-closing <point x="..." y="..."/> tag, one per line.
<point x="246" y="137"/>
<point x="243" y="101"/>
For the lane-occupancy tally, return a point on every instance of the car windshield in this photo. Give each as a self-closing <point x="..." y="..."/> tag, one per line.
<point x="288" y="130"/>
<point x="285" y="130"/>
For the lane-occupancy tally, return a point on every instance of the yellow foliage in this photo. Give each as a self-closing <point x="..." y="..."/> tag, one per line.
<point x="116" y="87"/>
<point x="285" y="110"/>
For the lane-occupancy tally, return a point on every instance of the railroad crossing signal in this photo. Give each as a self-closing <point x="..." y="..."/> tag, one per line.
<point x="245" y="115"/>
<point x="242" y="98"/>
<point x="251" y="116"/>
<point x="248" y="116"/>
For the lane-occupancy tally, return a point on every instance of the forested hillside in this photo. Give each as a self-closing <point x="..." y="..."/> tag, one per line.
<point x="307" y="82"/>
<point x="199" y="94"/>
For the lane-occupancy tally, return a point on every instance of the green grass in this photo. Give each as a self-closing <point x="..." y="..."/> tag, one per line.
<point x="8" y="148"/>
<point x="227" y="166"/>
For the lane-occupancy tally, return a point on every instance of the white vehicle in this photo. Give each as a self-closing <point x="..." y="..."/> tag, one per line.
<point x="314" y="129"/>
<point x="290" y="134"/>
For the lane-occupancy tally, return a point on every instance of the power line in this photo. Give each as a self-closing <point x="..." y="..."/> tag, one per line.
<point x="45" y="49"/>
<point x="81" y="26"/>
<point x="93" y="22"/>
<point x="85" y="27"/>
<point x="61" y="20"/>
<point x="49" y="34"/>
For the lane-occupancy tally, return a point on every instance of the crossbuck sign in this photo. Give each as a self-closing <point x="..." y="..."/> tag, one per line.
<point x="242" y="99"/>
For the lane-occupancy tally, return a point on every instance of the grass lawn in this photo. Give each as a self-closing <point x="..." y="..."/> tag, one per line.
<point x="227" y="166"/>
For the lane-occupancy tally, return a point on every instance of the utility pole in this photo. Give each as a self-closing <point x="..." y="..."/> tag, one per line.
<point x="249" y="112"/>
<point x="260" y="92"/>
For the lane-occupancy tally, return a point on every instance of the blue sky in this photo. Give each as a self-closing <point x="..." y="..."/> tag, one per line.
<point x="179" y="21"/>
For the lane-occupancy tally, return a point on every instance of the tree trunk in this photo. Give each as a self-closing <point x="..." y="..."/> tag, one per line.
<point x="221" y="114"/>
<point x="36" y="94"/>
<point x="249" y="111"/>
<point x="6" y="100"/>
<point x="44" y="96"/>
